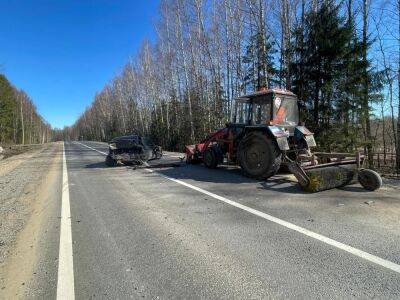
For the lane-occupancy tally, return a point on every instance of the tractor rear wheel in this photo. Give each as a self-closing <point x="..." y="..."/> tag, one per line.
<point x="259" y="156"/>
<point x="210" y="158"/>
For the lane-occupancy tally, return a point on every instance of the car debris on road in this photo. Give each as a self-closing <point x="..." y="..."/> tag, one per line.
<point x="132" y="149"/>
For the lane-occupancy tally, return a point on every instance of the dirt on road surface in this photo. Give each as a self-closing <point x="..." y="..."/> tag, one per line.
<point x="27" y="183"/>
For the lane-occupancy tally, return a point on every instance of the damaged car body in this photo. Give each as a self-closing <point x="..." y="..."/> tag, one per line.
<point x="132" y="149"/>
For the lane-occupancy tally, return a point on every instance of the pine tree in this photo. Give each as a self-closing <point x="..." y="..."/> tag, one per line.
<point x="259" y="51"/>
<point x="327" y="74"/>
<point x="7" y="109"/>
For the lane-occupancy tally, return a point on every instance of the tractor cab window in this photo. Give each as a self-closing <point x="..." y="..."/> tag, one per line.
<point x="242" y="112"/>
<point x="261" y="112"/>
<point x="286" y="111"/>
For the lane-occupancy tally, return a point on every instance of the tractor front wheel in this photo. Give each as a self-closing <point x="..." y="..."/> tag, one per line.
<point x="259" y="156"/>
<point x="210" y="158"/>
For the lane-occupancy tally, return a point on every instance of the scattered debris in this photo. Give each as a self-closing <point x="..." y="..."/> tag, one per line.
<point x="369" y="202"/>
<point x="157" y="166"/>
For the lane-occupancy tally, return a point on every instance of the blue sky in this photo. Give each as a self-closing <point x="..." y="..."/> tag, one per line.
<point x="62" y="51"/>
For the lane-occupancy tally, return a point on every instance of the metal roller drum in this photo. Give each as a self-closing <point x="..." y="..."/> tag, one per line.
<point x="330" y="177"/>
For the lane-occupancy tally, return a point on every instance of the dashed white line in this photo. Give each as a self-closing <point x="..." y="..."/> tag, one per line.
<point x="65" y="282"/>
<point x="169" y="154"/>
<point x="101" y="152"/>
<point x="349" y="249"/>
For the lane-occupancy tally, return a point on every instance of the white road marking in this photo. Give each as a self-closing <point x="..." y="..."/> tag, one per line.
<point x="65" y="283"/>
<point x="101" y="152"/>
<point x="357" y="252"/>
<point x="174" y="154"/>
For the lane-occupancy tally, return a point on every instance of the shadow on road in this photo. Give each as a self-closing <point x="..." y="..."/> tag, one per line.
<point x="353" y="188"/>
<point x="231" y="175"/>
<point x="97" y="165"/>
<point x="222" y="175"/>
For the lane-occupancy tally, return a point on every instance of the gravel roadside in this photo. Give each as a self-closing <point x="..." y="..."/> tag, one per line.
<point x="21" y="178"/>
<point x="11" y="150"/>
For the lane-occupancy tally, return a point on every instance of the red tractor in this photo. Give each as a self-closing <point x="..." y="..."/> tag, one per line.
<point x="265" y="135"/>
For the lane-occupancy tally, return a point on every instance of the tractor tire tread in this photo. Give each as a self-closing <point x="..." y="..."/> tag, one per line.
<point x="214" y="161"/>
<point x="276" y="153"/>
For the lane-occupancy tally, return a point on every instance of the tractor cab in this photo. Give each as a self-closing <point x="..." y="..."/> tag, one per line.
<point x="268" y="107"/>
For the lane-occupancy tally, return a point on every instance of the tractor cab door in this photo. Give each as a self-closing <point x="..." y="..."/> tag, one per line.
<point x="285" y="111"/>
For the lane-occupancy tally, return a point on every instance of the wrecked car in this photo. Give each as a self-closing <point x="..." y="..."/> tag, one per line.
<point x="132" y="149"/>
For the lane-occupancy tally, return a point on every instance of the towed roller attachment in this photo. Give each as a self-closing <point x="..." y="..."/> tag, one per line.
<point x="320" y="177"/>
<point x="330" y="177"/>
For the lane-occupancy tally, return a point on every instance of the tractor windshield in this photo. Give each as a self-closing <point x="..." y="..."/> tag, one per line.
<point x="286" y="111"/>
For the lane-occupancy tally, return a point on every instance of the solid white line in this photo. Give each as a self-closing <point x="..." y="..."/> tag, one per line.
<point x="357" y="252"/>
<point x="65" y="283"/>
<point x="101" y="152"/>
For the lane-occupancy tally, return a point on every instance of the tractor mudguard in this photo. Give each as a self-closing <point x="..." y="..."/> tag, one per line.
<point x="301" y="132"/>
<point x="275" y="132"/>
<point x="281" y="137"/>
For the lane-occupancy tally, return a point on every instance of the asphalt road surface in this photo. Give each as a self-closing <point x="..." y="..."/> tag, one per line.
<point x="186" y="232"/>
<point x="138" y="233"/>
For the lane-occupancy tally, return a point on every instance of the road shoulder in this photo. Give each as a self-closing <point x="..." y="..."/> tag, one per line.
<point x="31" y="240"/>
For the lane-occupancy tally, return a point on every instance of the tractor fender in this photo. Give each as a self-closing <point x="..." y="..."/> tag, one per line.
<point x="280" y="136"/>
<point x="302" y="133"/>
<point x="274" y="132"/>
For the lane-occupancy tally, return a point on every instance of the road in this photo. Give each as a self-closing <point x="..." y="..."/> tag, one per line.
<point x="190" y="232"/>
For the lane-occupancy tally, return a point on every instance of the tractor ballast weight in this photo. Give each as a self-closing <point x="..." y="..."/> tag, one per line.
<point x="265" y="135"/>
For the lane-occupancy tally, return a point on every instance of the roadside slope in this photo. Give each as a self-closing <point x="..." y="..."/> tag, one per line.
<point x="29" y="210"/>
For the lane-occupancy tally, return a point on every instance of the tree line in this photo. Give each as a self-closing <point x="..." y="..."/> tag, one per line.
<point x="20" y="122"/>
<point x="335" y="55"/>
